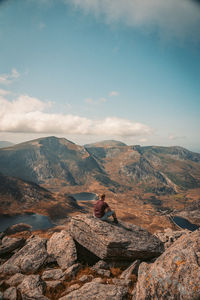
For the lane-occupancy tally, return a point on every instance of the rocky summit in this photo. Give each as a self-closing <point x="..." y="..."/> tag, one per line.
<point x="48" y="265"/>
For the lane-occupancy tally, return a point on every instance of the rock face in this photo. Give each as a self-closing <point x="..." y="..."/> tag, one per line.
<point x="96" y="291"/>
<point x="168" y="237"/>
<point x="28" y="259"/>
<point x="176" y="273"/>
<point x="32" y="287"/>
<point x="10" y="244"/>
<point x="62" y="247"/>
<point x="123" y="242"/>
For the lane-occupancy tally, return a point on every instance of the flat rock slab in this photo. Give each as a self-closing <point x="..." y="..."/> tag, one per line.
<point x="29" y="259"/>
<point x="62" y="247"/>
<point x="97" y="291"/>
<point x="125" y="242"/>
<point x="175" y="274"/>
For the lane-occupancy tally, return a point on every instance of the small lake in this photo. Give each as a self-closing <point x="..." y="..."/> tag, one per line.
<point x="84" y="196"/>
<point x="184" y="223"/>
<point x="35" y="220"/>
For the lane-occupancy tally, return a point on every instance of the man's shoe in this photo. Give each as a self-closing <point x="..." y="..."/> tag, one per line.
<point x="116" y="221"/>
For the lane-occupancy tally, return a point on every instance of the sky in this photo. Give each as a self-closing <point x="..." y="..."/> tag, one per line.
<point x="91" y="70"/>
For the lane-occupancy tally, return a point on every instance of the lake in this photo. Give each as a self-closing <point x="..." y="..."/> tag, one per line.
<point x="84" y="196"/>
<point x="184" y="223"/>
<point x="35" y="220"/>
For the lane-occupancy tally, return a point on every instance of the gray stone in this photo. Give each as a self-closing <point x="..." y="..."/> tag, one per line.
<point x="168" y="237"/>
<point x="62" y="247"/>
<point x="54" y="274"/>
<point x="96" y="291"/>
<point x="15" y="279"/>
<point x="121" y="282"/>
<point x="72" y="271"/>
<point x="175" y="274"/>
<point x="133" y="269"/>
<point x="10" y="244"/>
<point x="9" y="269"/>
<point x="53" y="284"/>
<point x="10" y="294"/>
<point x="124" y="242"/>
<point x="101" y="265"/>
<point x="104" y="273"/>
<point x="29" y="259"/>
<point x="73" y="287"/>
<point x="85" y="278"/>
<point x="32" y="287"/>
<point x="98" y="280"/>
<point x="18" y="228"/>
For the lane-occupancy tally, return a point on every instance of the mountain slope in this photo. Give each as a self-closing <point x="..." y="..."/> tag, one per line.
<point x="112" y="165"/>
<point x="4" y="144"/>
<point x="43" y="159"/>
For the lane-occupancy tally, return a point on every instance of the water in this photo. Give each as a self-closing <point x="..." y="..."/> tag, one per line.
<point x="35" y="220"/>
<point x="184" y="223"/>
<point x="84" y="196"/>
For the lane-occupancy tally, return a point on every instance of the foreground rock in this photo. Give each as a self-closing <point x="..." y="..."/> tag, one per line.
<point x="29" y="259"/>
<point x="10" y="244"/>
<point x="175" y="274"/>
<point x="125" y="242"/>
<point x="96" y="291"/>
<point x="168" y="237"/>
<point x="32" y="287"/>
<point x="62" y="247"/>
<point x="18" y="228"/>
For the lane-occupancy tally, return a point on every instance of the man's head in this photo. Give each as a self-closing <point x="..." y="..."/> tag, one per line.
<point x="102" y="197"/>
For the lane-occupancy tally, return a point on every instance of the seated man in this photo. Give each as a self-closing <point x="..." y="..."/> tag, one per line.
<point x="103" y="211"/>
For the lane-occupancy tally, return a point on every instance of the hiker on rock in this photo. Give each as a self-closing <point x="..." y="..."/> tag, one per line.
<point x="103" y="211"/>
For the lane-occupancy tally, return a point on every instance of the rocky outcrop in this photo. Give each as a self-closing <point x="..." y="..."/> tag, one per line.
<point x="32" y="287"/>
<point x="29" y="259"/>
<point x="175" y="274"/>
<point x="132" y="269"/>
<point x="96" y="291"/>
<point x="123" y="242"/>
<point x="168" y="237"/>
<point x="62" y="247"/>
<point x="10" y="244"/>
<point x="18" y="228"/>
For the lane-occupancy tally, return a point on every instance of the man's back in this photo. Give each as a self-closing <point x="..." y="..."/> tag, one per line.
<point x="99" y="208"/>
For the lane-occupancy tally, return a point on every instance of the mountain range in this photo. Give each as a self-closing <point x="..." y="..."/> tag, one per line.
<point x="112" y="164"/>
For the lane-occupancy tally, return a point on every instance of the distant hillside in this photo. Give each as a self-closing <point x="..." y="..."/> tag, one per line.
<point x="106" y="143"/>
<point x="110" y="164"/>
<point x="4" y="144"/>
<point x="17" y="196"/>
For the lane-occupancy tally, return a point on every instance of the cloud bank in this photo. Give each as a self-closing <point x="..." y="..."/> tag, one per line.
<point x="172" y="18"/>
<point x="29" y="115"/>
<point x="6" y="79"/>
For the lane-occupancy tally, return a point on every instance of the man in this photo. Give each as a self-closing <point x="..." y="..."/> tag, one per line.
<point x="103" y="211"/>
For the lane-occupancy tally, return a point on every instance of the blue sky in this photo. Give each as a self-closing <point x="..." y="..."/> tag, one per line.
<point x="90" y="70"/>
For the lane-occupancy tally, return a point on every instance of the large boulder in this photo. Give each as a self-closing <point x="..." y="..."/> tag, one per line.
<point x="96" y="291"/>
<point x="122" y="242"/>
<point x="62" y="247"/>
<point x="175" y="274"/>
<point x="10" y="244"/>
<point x="28" y="259"/>
<point x="32" y="287"/>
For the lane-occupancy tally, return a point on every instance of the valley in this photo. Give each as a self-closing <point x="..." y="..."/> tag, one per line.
<point x="142" y="184"/>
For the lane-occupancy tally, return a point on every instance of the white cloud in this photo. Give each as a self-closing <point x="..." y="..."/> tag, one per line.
<point x="174" y="18"/>
<point x="143" y="140"/>
<point x="27" y="114"/>
<point x="173" y="137"/>
<point x="4" y="92"/>
<point x="113" y="94"/>
<point x="9" y="78"/>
